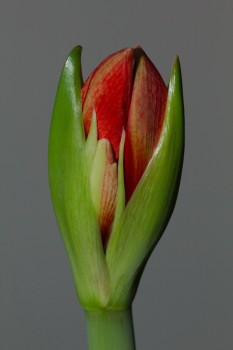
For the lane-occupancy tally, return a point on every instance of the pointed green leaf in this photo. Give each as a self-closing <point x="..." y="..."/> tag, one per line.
<point x="70" y="188"/>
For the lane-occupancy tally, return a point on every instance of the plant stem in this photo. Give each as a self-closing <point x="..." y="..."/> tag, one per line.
<point x="110" y="329"/>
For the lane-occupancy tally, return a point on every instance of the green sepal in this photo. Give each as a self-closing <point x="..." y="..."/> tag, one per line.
<point x="120" y="199"/>
<point x="149" y="209"/>
<point x="69" y="174"/>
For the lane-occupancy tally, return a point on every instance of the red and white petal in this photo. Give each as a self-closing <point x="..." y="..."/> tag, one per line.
<point x="104" y="186"/>
<point x="145" y="119"/>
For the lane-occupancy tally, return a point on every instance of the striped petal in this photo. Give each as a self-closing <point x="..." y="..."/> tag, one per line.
<point x="145" y="119"/>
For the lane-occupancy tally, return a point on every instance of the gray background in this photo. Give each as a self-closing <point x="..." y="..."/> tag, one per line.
<point x="185" y="296"/>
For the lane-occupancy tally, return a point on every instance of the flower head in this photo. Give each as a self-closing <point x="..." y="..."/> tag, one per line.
<point x="115" y="158"/>
<point x="126" y="92"/>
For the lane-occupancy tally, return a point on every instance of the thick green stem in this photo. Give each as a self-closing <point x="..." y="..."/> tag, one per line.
<point x="110" y="329"/>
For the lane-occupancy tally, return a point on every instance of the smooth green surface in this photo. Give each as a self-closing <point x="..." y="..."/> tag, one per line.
<point x="110" y="330"/>
<point x="120" y="200"/>
<point x="69" y="174"/>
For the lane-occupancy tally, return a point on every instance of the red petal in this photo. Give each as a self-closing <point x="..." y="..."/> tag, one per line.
<point x="108" y="91"/>
<point x="145" y="119"/>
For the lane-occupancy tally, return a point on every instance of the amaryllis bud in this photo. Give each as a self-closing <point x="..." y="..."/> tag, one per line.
<point x="115" y="159"/>
<point x="126" y="91"/>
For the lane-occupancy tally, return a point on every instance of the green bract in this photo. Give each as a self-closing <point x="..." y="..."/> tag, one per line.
<point x="108" y="278"/>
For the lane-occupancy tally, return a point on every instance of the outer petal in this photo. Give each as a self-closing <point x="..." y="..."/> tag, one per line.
<point x="150" y="207"/>
<point x="108" y="92"/>
<point x="144" y="121"/>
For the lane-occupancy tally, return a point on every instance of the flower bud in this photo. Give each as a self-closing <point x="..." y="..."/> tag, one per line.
<point x="115" y="158"/>
<point x="126" y="91"/>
